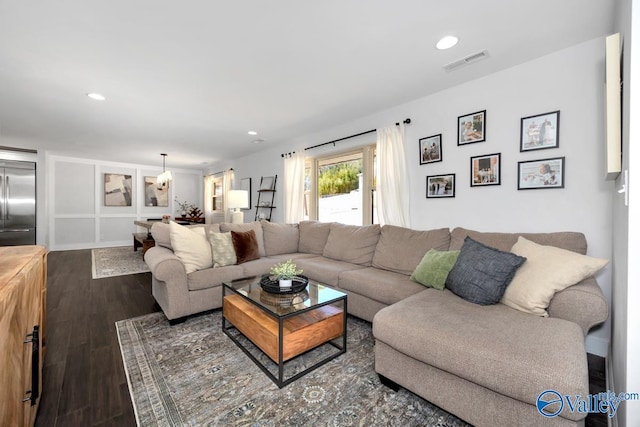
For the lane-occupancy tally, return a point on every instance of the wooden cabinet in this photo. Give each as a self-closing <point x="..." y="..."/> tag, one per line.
<point x="23" y="278"/>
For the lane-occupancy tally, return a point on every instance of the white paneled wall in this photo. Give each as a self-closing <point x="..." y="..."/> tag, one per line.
<point x="78" y="217"/>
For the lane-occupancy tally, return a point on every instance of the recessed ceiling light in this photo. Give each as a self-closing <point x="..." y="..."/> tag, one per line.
<point x="96" y="96"/>
<point x="447" y="42"/>
<point x="252" y="132"/>
<point x="257" y="141"/>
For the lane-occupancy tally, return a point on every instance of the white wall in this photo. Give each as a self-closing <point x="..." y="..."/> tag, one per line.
<point x="624" y="361"/>
<point x="77" y="215"/>
<point x="571" y="81"/>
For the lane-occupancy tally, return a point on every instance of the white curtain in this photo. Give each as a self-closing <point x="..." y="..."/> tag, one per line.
<point x="294" y="187"/>
<point x="392" y="188"/>
<point x="208" y="195"/>
<point x="227" y="184"/>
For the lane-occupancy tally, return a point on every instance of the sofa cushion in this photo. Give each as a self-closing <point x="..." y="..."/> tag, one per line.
<point x="324" y="270"/>
<point x="504" y="350"/>
<point x="222" y="250"/>
<point x="434" y="268"/>
<point x="212" y="277"/>
<point x="313" y="236"/>
<point x="571" y="241"/>
<point x="548" y="270"/>
<point x="280" y="238"/>
<point x="400" y="249"/>
<point x="383" y="286"/>
<point x="255" y="226"/>
<point x="245" y="245"/>
<point x="161" y="234"/>
<point x="191" y="246"/>
<point x="352" y="243"/>
<point x="257" y="267"/>
<point x="482" y="273"/>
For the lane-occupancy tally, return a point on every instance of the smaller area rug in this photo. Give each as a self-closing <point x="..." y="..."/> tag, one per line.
<point x="192" y="374"/>
<point x="120" y="261"/>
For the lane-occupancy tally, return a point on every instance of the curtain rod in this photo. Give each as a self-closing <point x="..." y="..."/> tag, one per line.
<point x="223" y="171"/>
<point x="405" y="121"/>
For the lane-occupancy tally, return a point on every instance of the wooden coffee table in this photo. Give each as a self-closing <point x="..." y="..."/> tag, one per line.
<point x="285" y="326"/>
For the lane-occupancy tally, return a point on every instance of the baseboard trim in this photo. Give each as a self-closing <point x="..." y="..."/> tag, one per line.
<point x="93" y="245"/>
<point x="596" y="345"/>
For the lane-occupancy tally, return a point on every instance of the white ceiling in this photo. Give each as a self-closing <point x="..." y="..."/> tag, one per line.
<point x="190" y="78"/>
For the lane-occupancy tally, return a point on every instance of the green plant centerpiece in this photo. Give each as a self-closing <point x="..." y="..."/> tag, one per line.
<point x="285" y="272"/>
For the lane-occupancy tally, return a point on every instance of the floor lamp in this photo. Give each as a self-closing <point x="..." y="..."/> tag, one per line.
<point x="236" y="200"/>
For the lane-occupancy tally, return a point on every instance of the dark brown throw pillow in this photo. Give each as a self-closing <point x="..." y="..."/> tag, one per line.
<point x="246" y="245"/>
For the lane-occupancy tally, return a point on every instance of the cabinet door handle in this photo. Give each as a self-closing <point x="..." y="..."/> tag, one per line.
<point x="35" y="365"/>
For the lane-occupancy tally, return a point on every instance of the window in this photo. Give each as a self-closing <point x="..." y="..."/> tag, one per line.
<point x="217" y="195"/>
<point x="214" y="198"/>
<point x="339" y="187"/>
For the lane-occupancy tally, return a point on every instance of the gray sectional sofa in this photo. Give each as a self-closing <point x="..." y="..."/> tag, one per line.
<point x="485" y="364"/>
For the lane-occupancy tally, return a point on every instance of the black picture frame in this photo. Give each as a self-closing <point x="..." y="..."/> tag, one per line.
<point x="541" y="174"/>
<point x="430" y="149"/>
<point x="441" y="186"/>
<point x="245" y="184"/>
<point x="485" y="170"/>
<point x="540" y="132"/>
<point x="472" y="128"/>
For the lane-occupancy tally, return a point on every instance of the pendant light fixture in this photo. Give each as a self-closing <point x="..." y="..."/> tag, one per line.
<point x="164" y="178"/>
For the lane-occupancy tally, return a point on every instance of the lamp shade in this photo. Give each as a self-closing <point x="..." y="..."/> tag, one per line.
<point x="238" y="199"/>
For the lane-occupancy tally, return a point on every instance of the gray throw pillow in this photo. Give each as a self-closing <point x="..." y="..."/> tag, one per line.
<point x="482" y="273"/>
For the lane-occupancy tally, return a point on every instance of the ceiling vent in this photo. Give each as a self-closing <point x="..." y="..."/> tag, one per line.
<point x="475" y="57"/>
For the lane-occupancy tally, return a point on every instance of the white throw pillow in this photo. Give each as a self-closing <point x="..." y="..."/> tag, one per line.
<point x="191" y="246"/>
<point x="222" y="249"/>
<point x="547" y="270"/>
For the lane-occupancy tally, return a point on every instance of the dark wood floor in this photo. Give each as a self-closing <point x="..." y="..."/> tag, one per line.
<point x="84" y="383"/>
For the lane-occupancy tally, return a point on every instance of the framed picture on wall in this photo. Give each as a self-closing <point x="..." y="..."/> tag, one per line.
<point x="245" y="184"/>
<point x="154" y="196"/>
<point x="540" y="131"/>
<point x="430" y="149"/>
<point x="439" y="186"/>
<point x="545" y="173"/>
<point x="117" y="190"/>
<point x="485" y="170"/>
<point x="471" y="127"/>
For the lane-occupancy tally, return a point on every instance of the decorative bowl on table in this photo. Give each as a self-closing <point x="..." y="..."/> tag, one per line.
<point x="284" y="300"/>
<point x="298" y="284"/>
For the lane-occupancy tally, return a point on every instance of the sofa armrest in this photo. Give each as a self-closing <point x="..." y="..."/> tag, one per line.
<point x="583" y="303"/>
<point x="169" y="285"/>
<point x="164" y="264"/>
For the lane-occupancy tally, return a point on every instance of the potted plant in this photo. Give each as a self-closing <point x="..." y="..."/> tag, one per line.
<point x="285" y="272"/>
<point x="184" y="206"/>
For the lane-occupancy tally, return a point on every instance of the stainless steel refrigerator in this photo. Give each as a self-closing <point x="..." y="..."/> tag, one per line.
<point x="17" y="203"/>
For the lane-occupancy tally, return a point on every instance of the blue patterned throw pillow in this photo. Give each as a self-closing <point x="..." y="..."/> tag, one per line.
<point x="482" y="273"/>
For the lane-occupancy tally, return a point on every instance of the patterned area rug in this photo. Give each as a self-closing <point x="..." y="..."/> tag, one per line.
<point x="192" y="374"/>
<point x="120" y="261"/>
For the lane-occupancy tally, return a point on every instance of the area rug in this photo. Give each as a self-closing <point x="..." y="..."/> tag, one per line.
<point x="120" y="261"/>
<point x="192" y="374"/>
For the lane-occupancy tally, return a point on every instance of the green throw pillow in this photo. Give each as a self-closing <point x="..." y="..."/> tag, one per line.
<point x="434" y="268"/>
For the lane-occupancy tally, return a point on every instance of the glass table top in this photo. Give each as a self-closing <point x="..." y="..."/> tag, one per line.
<point x="313" y="295"/>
